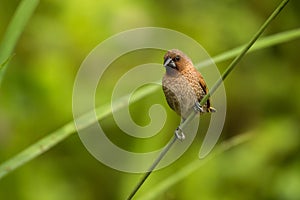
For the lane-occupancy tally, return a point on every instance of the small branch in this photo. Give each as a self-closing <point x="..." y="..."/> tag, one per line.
<point x="210" y="93"/>
<point x="3" y="65"/>
<point x="153" y="166"/>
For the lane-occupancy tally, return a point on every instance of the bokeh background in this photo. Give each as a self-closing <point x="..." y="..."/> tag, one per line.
<point x="262" y="100"/>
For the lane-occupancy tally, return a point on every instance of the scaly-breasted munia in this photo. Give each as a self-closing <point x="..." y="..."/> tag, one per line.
<point x="183" y="85"/>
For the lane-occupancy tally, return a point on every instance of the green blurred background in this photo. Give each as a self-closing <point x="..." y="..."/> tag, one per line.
<point x="262" y="98"/>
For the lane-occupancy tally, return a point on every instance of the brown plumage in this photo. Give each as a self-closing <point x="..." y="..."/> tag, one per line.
<point x="182" y="84"/>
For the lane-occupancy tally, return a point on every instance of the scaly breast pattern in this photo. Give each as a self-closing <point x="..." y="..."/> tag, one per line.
<point x="182" y="91"/>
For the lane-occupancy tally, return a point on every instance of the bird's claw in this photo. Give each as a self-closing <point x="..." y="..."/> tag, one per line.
<point x="198" y="107"/>
<point x="179" y="133"/>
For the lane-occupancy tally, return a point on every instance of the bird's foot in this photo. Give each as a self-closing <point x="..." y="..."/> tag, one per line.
<point x="212" y="110"/>
<point x="198" y="108"/>
<point x="179" y="133"/>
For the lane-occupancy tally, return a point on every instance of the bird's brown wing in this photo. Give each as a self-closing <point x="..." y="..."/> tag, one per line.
<point x="203" y="86"/>
<point x="202" y="83"/>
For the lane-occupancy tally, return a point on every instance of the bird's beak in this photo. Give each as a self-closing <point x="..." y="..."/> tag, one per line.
<point x="169" y="62"/>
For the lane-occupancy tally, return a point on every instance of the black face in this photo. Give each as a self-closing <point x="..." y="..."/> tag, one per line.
<point x="175" y="59"/>
<point x="171" y="62"/>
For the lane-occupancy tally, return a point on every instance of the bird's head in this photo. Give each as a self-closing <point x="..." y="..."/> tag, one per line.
<point x="176" y="60"/>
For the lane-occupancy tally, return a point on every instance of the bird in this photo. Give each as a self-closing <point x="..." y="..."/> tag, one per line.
<point x="183" y="85"/>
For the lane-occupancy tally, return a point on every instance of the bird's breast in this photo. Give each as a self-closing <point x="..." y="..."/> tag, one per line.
<point x="181" y="92"/>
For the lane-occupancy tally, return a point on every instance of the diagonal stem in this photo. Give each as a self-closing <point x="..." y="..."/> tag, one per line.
<point x="153" y="166"/>
<point x="228" y="70"/>
<point x="14" y="30"/>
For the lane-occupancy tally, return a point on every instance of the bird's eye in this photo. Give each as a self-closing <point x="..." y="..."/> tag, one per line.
<point x="177" y="58"/>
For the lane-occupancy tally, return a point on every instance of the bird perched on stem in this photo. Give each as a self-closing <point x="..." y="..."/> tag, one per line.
<point x="183" y="85"/>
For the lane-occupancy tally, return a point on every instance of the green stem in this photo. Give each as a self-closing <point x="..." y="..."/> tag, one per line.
<point x="191" y="167"/>
<point x="260" y="44"/>
<point x="14" y="31"/>
<point x="237" y="59"/>
<point x="214" y="88"/>
<point x="244" y="51"/>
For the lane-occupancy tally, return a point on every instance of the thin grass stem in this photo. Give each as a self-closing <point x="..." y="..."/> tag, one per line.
<point x="225" y="74"/>
<point x="14" y="30"/>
